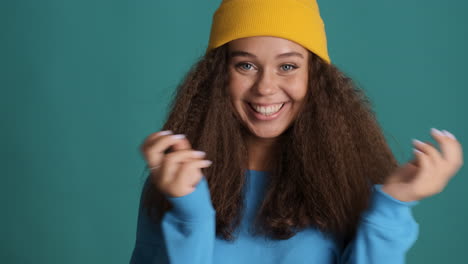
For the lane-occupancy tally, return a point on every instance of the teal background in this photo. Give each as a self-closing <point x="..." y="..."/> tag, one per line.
<point x="84" y="82"/>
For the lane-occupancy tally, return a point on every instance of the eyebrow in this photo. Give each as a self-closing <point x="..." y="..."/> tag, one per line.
<point x="241" y="53"/>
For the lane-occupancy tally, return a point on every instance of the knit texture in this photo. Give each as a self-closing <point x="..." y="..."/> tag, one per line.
<point x="295" y="20"/>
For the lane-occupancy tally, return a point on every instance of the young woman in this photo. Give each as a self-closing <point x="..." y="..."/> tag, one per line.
<point x="279" y="157"/>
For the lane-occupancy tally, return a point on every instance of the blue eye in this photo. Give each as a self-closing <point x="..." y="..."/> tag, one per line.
<point x="248" y="66"/>
<point x="243" y="64"/>
<point x="292" y="67"/>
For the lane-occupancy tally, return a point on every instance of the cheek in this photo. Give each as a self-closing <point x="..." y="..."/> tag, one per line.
<point x="297" y="87"/>
<point x="237" y="87"/>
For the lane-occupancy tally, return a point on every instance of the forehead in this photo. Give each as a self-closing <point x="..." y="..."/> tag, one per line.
<point x="266" y="45"/>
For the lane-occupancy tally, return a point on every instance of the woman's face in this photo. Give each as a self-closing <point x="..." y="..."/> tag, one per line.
<point x="267" y="82"/>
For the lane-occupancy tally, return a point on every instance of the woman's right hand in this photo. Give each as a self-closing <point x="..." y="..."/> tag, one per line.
<point x="179" y="171"/>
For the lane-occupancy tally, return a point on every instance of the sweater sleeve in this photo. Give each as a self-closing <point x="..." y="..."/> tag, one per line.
<point x="386" y="232"/>
<point x="186" y="233"/>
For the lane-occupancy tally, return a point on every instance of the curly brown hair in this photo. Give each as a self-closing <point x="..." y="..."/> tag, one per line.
<point x="328" y="160"/>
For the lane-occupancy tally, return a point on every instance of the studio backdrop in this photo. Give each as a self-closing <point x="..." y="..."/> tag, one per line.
<point x="84" y="82"/>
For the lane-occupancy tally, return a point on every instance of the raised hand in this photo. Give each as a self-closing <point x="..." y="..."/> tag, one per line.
<point x="176" y="173"/>
<point x="429" y="172"/>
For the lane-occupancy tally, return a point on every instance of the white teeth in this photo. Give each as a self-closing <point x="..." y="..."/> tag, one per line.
<point x="269" y="110"/>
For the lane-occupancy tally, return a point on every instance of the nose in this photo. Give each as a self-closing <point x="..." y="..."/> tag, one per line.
<point x="266" y="83"/>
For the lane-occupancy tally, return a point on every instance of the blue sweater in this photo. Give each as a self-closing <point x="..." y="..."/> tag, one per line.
<point x="186" y="234"/>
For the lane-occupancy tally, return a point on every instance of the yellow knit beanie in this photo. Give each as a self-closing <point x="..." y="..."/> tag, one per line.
<point x="295" y="20"/>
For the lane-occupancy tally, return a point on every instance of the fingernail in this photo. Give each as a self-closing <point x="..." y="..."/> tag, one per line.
<point x="165" y="132"/>
<point x="416" y="142"/>
<point x="437" y="132"/>
<point x="199" y="153"/>
<point x="416" y="151"/>
<point x="207" y="162"/>
<point x="178" y="136"/>
<point x="450" y="135"/>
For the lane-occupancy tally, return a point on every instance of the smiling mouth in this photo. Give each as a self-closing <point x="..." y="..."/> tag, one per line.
<point x="267" y="110"/>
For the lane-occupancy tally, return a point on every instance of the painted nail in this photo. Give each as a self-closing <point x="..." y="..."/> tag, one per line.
<point x="416" y="142"/>
<point x="207" y="162"/>
<point x="450" y="135"/>
<point x="178" y="136"/>
<point x="165" y="132"/>
<point x="416" y="151"/>
<point x="199" y="153"/>
<point x="437" y="132"/>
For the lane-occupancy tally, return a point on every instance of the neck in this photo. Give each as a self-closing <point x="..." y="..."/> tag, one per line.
<point x="262" y="153"/>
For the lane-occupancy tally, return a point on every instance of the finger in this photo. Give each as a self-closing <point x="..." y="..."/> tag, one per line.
<point x="424" y="161"/>
<point x="452" y="149"/>
<point x="446" y="144"/>
<point x="184" y="143"/>
<point x="181" y="144"/>
<point x="426" y="147"/>
<point x="190" y="174"/>
<point x="183" y="156"/>
<point x="155" y="137"/>
<point x="163" y="143"/>
<point x="172" y="162"/>
<point x="150" y="140"/>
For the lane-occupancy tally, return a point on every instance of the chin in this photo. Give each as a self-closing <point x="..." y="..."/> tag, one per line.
<point x="268" y="133"/>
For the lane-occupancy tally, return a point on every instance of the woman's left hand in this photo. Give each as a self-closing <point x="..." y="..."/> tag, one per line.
<point x="429" y="172"/>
